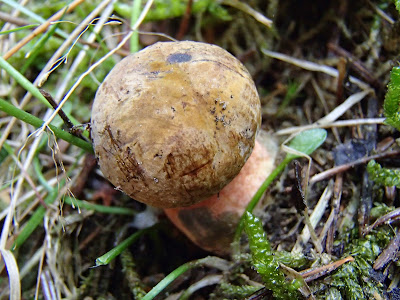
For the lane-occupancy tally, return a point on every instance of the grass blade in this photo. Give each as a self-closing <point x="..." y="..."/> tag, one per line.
<point x="113" y="253"/>
<point x="34" y="121"/>
<point x="13" y="274"/>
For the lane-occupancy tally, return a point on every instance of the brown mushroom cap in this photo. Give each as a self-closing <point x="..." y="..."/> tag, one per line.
<point x="174" y="123"/>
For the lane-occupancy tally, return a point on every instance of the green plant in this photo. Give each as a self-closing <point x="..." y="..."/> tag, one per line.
<point x="302" y="144"/>
<point x="392" y="99"/>
<point x="265" y="262"/>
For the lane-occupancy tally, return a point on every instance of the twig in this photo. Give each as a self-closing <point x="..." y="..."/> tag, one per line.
<point x="337" y="195"/>
<point x="312" y="274"/>
<point x="185" y="21"/>
<point x="325" y="106"/>
<point x="341" y="80"/>
<point x="61" y="113"/>
<point x="389" y="253"/>
<point x="356" y="65"/>
<point x="389" y="217"/>
<point x="42" y="28"/>
<point x="328" y="173"/>
<point x="342" y="108"/>
<point x="14" y="20"/>
<point x="248" y="10"/>
<point x="342" y="123"/>
<point x="312" y="222"/>
<point x="311" y="66"/>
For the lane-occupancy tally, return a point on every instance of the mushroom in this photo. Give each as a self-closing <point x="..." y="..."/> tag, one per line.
<point x="174" y="124"/>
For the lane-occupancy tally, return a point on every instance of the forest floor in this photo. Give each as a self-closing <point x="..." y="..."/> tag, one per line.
<point x="321" y="64"/>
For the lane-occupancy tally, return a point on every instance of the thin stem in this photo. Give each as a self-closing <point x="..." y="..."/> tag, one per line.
<point x="113" y="253"/>
<point x="99" y="208"/>
<point x="34" y="121"/>
<point x="256" y="198"/>
<point x="25" y="83"/>
<point x="210" y="260"/>
<point x="135" y="35"/>
<point x="42" y="28"/>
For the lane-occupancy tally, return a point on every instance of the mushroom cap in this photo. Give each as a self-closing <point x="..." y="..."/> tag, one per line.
<point x="174" y="123"/>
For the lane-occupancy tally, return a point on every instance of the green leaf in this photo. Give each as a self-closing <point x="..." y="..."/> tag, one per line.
<point x="264" y="260"/>
<point x="18" y="29"/>
<point x="383" y="176"/>
<point x="99" y="208"/>
<point x="156" y="290"/>
<point x="113" y="253"/>
<point x="392" y="99"/>
<point x="397" y="3"/>
<point x="306" y="142"/>
<point x="218" y="11"/>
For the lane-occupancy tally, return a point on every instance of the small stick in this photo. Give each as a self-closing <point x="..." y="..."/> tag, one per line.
<point x="74" y="130"/>
<point x="389" y="253"/>
<point x="185" y="21"/>
<point x="356" y="65"/>
<point x="94" y="234"/>
<point x="244" y="7"/>
<point x="61" y="113"/>
<point x="340" y="123"/>
<point x="88" y="165"/>
<point x="389" y="217"/>
<point x="13" y="20"/>
<point x="342" y="69"/>
<point x="315" y="273"/>
<point x="42" y="28"/>
<point x="337" y="195"/>
<point x="342" y="168"/>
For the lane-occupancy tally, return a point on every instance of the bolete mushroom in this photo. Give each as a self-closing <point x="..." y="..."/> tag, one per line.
<point x="175" y="123"/>
<point x="172" y="126"/>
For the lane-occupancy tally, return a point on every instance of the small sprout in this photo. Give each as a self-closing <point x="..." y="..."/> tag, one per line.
<point x="306" y="142"/>
<point x="383" y="176"/>
<point x="265" y="263"/>
<point x="392" y="99"/>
